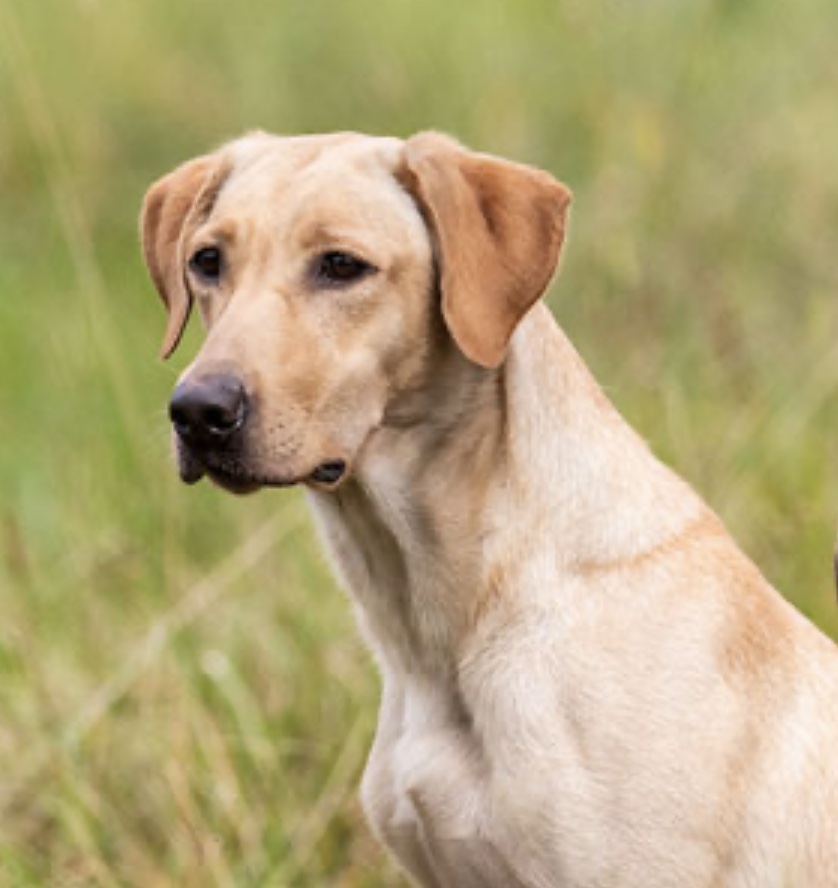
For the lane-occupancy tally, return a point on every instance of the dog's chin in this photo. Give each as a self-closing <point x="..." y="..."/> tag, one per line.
<point x="240" y="485"/>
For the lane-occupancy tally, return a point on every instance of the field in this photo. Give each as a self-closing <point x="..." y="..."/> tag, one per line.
<point x="183" y="698"/>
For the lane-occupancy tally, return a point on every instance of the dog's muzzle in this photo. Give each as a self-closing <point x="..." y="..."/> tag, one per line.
<point x="209" y="416"/>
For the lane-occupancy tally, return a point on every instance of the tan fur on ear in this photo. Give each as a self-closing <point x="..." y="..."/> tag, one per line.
<point x="499" y="228"/>
<point x="172" y="207"/>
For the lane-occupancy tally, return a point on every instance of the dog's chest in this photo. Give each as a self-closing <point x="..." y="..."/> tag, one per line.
<point x="424" y="793"/>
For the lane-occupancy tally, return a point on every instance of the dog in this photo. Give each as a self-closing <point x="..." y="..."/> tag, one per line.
<point x="584" y="681"/>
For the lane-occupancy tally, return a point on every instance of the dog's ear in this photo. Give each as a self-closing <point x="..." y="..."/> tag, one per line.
<point x="499" y="228"/>
<point x="172" y="207"/>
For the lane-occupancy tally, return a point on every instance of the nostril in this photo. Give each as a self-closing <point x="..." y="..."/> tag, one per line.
<point x="223" y="420"/>
<point x="179" y="416"/>
<point x="208" y="411"/>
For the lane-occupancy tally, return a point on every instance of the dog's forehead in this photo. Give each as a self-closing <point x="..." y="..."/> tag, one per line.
<point x="277" y="169"/>
<point x="341" y="183"/>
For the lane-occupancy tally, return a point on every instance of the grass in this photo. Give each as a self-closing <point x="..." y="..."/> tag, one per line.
<point x="184" y="699"/>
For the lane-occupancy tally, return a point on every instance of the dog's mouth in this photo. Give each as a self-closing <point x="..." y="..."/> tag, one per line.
<point x="236" y="477"/>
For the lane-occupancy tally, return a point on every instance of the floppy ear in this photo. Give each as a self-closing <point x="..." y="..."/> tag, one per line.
<point x="499" y="228"/>
<point x="172" y="207"/>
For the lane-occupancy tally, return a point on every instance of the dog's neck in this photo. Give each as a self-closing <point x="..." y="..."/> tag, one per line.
<point x="449" y="518"/>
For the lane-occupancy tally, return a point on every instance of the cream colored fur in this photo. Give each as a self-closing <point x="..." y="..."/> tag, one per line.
<point x="585" y="684"/>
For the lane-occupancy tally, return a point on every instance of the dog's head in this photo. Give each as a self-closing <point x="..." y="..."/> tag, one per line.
<point x="331" y="273"/>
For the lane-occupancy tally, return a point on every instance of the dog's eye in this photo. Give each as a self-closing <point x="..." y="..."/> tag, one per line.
<point x="341" y="268"/>
<point x="206" y="262"/>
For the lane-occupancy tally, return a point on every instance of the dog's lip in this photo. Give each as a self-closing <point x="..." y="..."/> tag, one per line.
<point x="329" y="473"/>
<point x="190" y="469"/>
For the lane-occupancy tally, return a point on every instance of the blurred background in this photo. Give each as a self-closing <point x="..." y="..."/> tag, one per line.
<point x="183" y="698"/>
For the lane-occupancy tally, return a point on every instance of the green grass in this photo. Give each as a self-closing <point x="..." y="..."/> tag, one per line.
<point x="184" y="699"/>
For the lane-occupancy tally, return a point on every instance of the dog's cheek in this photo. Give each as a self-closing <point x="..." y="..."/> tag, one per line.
<point x="406" y="354"/>
<point x="361" y="408"/>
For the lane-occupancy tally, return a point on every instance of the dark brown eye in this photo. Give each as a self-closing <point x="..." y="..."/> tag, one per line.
<point x="206" y="263"/>
<point x="337" y="268"/>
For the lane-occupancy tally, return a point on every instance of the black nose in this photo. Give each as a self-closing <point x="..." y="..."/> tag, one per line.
<point x="208" y="412"/>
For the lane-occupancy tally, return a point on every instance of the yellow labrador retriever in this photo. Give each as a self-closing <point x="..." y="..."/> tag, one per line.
<point x="585" y="682"/>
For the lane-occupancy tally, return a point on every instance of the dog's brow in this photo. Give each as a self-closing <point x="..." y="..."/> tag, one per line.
<point x="320" y="235"/>
<point x="224" y="232"/>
